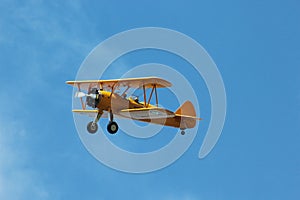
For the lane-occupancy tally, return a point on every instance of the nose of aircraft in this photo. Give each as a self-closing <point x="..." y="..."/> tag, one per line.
<point x="93" y="97"/>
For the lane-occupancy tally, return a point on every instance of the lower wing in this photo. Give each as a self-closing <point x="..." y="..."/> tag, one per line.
<point x="91" y="113"/>
<point x="146" y="113"/>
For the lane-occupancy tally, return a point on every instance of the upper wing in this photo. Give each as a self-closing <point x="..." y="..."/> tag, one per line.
<point x="147" y="82"/>
<point x="146" y="113"/>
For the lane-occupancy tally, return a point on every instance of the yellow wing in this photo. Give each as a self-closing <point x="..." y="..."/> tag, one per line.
<point x="90" y="113"/>
<point x="146" y="113"/>
<point x="147" y="82"/>
<point x="136" y="113"/>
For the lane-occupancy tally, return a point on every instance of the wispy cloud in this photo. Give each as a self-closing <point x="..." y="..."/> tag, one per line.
<point x="18" y="179"/>
<point x="44" y="42"/>
<point x="45" y="36"/>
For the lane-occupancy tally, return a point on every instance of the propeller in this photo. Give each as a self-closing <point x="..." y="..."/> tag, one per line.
<point x="82" y="94"/>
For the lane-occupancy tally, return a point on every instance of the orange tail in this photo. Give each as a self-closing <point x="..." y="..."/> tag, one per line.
<point x="188" y="115"/>
<point x="186" y="109"/>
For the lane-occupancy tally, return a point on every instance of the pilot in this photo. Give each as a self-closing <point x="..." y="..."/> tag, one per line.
<point x="136" y="99"/>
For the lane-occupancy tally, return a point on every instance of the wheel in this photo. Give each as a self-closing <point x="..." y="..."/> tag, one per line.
<point x="92" y="127"/>
<point x="182" y="132"/>
<point x="112" y="127"/>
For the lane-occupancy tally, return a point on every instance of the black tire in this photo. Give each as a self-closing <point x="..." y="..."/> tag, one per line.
<point x="92" y="127"/>
<point x="112" y="127"/>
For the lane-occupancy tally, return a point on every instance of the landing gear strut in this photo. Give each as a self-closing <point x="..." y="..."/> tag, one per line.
<point x="112" y="127"/>
<point x="92" y="126"/>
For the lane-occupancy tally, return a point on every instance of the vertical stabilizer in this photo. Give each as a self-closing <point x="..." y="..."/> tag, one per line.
<point x="186" y="109"/>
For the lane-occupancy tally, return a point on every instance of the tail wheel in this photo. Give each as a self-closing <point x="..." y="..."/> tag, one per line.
<point x="112" y="127"/>
<point x="182" y="131"/>
<point x="92" y="127"/>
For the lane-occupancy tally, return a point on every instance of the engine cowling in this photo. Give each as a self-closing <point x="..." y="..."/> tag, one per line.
<point x="93" y="98"/>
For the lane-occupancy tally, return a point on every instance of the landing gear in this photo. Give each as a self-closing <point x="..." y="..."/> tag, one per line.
<point x="92" y="127"/>
<point x="112" y="127"/>
<point x="182" y="131"/>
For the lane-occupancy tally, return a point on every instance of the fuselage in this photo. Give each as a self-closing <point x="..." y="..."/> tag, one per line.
<point x="115" y="103"/>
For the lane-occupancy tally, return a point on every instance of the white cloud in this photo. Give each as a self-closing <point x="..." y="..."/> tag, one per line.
<point x="47" y="33"/>
<point x="17" y="180"/>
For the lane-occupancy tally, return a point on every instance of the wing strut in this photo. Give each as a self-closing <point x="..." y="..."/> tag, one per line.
<point x="145" y="98"/>
<point x="113" y="87"/>
<point x="100" y="86"/>
<point x="156" y="96"/>
<point x="124" y="93"/>
<point x="154" y="86"/>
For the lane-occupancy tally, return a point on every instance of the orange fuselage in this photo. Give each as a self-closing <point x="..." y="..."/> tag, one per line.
<point x="116" y="103"/>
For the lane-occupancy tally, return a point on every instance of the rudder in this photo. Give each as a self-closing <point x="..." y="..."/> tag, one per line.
<point x="187" y="109"/>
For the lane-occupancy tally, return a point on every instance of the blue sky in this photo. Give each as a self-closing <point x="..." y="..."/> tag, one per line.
<point x="255" y="45"/>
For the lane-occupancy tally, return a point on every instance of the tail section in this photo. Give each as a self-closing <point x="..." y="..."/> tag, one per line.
<point x="188" y="115"/>
<point x="186" y="109"/>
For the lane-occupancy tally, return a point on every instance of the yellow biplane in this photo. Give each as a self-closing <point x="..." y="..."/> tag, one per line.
<point x="109" y="98"/>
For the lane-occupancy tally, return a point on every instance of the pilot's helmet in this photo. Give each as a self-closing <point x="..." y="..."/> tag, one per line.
<point x="136" y="99"/>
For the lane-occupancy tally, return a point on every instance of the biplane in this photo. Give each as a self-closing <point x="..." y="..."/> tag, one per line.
<point x="109" y="99"/>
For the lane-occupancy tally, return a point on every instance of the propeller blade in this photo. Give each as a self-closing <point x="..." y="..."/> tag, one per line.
<point x="94" y="96"/>
<point x="80" y="94"/>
